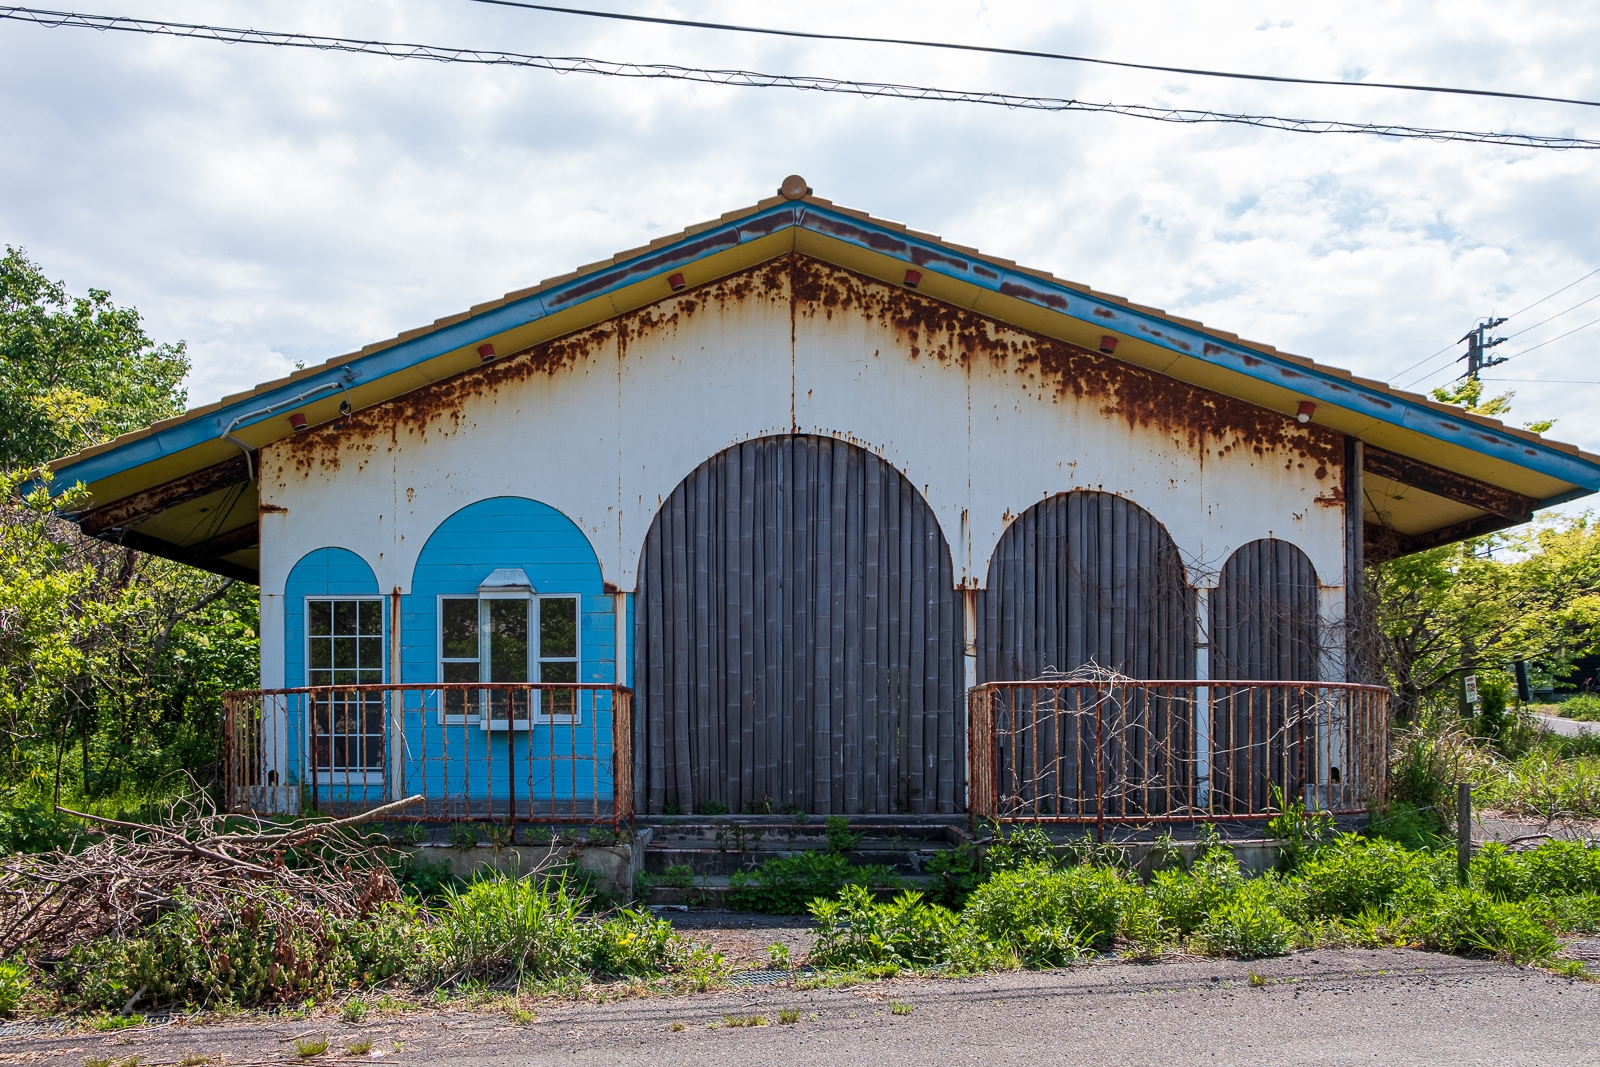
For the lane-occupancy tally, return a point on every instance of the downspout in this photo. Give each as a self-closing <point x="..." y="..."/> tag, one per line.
<point x="249" y="453"/>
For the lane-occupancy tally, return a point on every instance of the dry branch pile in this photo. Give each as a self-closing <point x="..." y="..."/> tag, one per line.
<point x="219" y="865"/>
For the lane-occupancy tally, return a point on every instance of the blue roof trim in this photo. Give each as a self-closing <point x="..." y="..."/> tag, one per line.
<point x="1005" y="281"/>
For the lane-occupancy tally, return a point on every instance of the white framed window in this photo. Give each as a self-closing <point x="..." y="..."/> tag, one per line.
<point x="508" y="636"/>
<point x="344" y="646"/>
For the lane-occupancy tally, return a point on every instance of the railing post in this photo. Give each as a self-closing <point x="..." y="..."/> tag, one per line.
<point x="1099" y="769"/>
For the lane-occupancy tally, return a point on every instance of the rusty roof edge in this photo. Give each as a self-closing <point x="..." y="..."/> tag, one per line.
<point x="1261" y="362"/>
<point x="1002" y="276"/>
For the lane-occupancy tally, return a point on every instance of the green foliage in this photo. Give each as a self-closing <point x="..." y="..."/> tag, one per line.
<point x="15" y="984"/>
<point x="424" y="880"/>
<point x="712" y="807"/>
<point x="1300" y="833"/>
<point x="1480" y="605"/>
<point x="836" y="828"/>
<point x="1022" y="847"/>
<point x="1048" y="916"/>
<point x="678" y="876"/>
<point x="1354" y="875"/>
<point x="1543" y="782"/>
<point x="959" y="871"/>
<point x="1406" y="824"/>
<point x="35" y="827"/>
<point x="787" y="885"/>
<point x="464" y="835"/>
<point x="1584" y="707"/>
<point x="1249" y="923"/>
<point x="1183" y="899"/>
<point x="855" y="931"/>
<point x="74" y="371"/>
<point x="1467" y="919"/>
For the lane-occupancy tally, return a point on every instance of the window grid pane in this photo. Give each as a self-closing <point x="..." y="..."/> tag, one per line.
<point x="345" y="646"/>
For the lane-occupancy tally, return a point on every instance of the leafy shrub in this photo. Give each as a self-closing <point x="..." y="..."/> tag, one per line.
<point x="841" y="839"/>
<point x="1183" y="899"/>
<point x="1249" y="923"/>
<point x="1562" y="868"/>
<point x="1356" y="875"/>
<point x="1049" y="916"/>
<point x="1300" y="833"/>
<point x="786" y="885"/>
<point x="35" y="827"/>
<point x="423" y="879"/>
<point x="1406" y="824"/>
<point x="678" y="876"/>
<point x="1584" y="707"/>
<point x="1025" y="845"/>
<point x="1469" y="920"/>
<point x="14" y="985"/>
<point x="959" y="871"/>
<point x="856" y="931"/>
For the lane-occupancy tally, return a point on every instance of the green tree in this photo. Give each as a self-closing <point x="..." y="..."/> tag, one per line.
<point x="112" y="662"/>
<point x="75" y="371"/>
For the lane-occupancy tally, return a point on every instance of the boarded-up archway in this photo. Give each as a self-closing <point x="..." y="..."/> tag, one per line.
<point x="1263" y="627"/>
<point x="797" y="639"/>
<point x="1080" y="579"/>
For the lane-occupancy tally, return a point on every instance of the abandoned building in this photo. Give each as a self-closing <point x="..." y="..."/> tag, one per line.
<point x="803" y="511"/>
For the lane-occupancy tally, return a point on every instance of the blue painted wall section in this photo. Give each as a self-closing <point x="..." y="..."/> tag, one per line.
<point x="324" y="572"/>
<point x="554" y="761"/>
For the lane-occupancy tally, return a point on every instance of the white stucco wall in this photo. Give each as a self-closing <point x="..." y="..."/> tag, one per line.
<point x="604" y="425"/>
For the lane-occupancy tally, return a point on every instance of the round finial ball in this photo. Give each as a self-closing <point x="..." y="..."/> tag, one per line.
<point x="794" y="187"/>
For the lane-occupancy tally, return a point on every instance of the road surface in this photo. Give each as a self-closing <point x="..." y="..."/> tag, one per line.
<point x="1393" y="1007"/>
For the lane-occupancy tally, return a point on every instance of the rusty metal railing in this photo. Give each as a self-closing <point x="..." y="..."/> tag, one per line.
<point x="496" y="752"/>
<point x="1120" y="751"/>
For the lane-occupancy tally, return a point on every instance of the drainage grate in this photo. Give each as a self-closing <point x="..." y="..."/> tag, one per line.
<point x="29" y="1027"/>
<point x="769" y="977"/>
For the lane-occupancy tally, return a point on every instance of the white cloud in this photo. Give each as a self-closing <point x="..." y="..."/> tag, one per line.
<point x="270" y="205"/>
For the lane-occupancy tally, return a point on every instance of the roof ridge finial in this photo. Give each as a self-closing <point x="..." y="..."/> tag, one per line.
<point x="794" y="187"/>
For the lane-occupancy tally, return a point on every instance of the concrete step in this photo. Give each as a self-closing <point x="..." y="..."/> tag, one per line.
<point x="710" y="861"/>
<point x="712" y="891"/>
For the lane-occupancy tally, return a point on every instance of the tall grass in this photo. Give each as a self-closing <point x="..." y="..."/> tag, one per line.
<point x="504" y="926"/>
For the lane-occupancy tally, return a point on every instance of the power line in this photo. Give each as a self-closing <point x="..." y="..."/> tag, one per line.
<point x="1558" y="292"/>
<point x="1519" y="333"/>
<point x="1545" y="381"/>
<point x="1425" y="359"/>
<point x="756" y="79"/>
<point x="1025" y="52"/>
<point x="1552" y="340"/>
<point x="1552" y="318"/>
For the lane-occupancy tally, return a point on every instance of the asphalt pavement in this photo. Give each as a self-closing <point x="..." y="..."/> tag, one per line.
<point x="1393" y="1007"/>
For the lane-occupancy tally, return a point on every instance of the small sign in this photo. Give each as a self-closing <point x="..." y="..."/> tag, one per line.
<point x="1471" y="684"/>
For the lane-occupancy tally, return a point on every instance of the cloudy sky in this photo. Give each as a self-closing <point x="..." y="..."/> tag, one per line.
<point x="270" y="205"/>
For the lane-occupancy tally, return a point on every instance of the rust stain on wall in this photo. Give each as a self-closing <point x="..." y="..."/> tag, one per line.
<point x="926" y="329"/>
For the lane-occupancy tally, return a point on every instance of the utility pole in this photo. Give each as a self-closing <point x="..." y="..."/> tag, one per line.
<point x="1478" y="344"/>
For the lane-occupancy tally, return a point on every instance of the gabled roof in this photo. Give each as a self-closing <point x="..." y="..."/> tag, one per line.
<point x="181" y="488"/>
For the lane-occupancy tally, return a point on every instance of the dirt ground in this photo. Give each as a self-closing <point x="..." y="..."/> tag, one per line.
<point x="743" y="937"/>
<point x="1392" y="1007"/>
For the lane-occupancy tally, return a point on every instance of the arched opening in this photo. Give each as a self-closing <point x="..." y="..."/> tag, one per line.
<point x="797" y="639"/>
<point x="1090" y="579"/>
<point x="1263" y="627"/>
<point x="1086" y="578"/>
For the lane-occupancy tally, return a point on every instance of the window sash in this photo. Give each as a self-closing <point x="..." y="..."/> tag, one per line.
<point x="509" y="647"/>
<point x="344" y="646"/>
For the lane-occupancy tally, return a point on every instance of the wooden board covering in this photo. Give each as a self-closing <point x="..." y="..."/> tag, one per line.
<point x="1091" y="579"/>
<point x="797" y="639"/>
<point x="1263" y="627"/>
<point x="1085" y="578"/>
